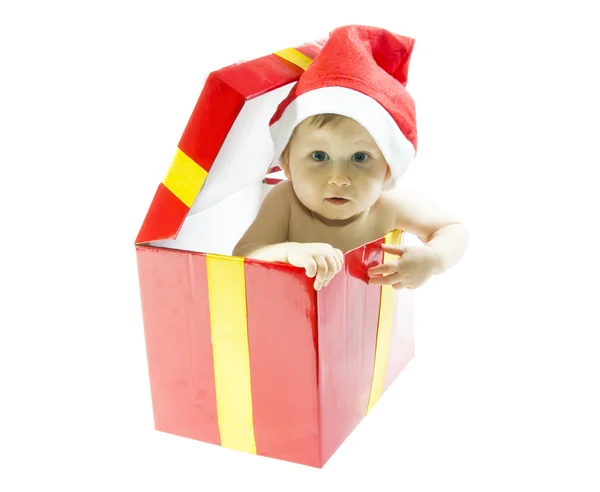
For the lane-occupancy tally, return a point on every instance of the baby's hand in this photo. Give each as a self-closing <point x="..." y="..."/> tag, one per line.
<point x="319" y="259"/>
<point x="414" y="267"/>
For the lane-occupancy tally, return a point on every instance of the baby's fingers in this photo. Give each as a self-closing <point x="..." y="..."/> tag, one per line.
<point x="384" y="269"/>
<point x="339" y="259"/>
<point x="387" y="280"/>
<point x="322" y="270"/>
<point x="311" y="267"/>
<point x="333" y="267"/>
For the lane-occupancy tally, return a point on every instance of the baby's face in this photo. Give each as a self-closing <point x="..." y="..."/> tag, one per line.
<point x="337" y="171"/>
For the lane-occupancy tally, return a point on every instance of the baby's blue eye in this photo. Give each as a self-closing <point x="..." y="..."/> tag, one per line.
<point x="320" y="156"/>
<point x="360" y="157"/>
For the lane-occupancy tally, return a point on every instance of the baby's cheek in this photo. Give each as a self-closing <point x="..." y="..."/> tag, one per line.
<point x="305" y="194"/>
<point x="372" y="191"/>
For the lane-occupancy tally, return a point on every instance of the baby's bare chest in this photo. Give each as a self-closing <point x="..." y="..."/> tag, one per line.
<point x="305" y="228"/>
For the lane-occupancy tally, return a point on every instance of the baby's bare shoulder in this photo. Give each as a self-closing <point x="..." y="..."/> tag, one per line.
<point x="281" y="191"/>
<point x="288" y="195"/>
<point x="270" y="226"/>
<point x="415" y="213"/>
<point x="278" y="200"/>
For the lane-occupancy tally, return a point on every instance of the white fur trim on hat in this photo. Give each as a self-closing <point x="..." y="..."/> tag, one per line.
<point x="395" y="147"/>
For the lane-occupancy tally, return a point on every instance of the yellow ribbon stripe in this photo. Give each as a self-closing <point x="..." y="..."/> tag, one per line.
<point x="384" y="328"/>
<point x="229" y="332"/>
<point x="294" y="56"/>
<point x="185" y="178"/>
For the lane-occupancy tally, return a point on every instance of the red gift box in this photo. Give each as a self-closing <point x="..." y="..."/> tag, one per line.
<point x="245" y="353"/>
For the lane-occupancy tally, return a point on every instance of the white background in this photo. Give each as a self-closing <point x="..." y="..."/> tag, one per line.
<point x="503" y="392"/>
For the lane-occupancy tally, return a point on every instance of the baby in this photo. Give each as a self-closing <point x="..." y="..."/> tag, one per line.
<point x="344" y="134"/>
<point x="333" y="201"/>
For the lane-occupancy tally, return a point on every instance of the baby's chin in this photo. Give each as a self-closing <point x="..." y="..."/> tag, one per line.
<point x="340" y="217"/>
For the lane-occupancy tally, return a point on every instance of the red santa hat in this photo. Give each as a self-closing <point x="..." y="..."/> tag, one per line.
<point x="361" y="72"/>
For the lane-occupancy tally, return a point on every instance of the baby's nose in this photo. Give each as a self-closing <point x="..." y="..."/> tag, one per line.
<point x="339" y="179"/>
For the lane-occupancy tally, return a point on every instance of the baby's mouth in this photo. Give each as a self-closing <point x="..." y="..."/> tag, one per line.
<point x="337" y="200"/>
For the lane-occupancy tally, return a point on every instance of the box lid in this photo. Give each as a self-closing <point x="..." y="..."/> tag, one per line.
<point x="226" y="144"/>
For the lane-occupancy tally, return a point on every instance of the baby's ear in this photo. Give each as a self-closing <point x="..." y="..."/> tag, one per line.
<point x="285" y="164"/>
<point x="388" y="174"/>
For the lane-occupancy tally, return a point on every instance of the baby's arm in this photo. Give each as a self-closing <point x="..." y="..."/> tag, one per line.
<point x="266" y="239"/>
<point x="444" y="237"/>
<point x="437" y="228"/>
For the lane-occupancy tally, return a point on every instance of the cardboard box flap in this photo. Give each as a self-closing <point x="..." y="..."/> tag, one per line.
<point x="226" y="144"/>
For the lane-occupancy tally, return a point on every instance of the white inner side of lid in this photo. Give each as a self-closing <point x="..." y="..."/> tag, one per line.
<point x="246" y="153"/>
<point x="234" y="188"/>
